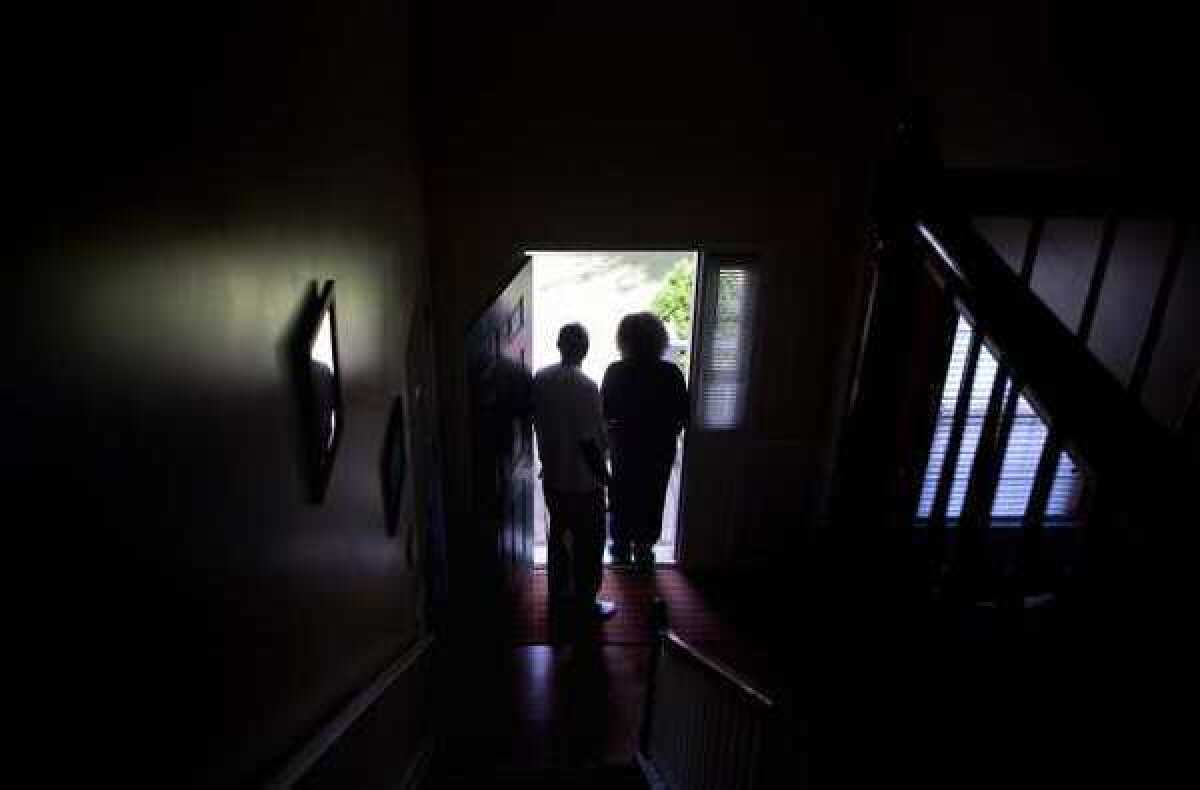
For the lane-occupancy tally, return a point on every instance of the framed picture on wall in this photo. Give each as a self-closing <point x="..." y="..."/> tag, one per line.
<point x="325" y="414"/>
<point x="394" y="465"/>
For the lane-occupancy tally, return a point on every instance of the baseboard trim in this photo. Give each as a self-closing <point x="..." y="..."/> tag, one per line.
<point x="302" y="761"/>
<point x="650" y="773"/>
<point x="418" y="769"/>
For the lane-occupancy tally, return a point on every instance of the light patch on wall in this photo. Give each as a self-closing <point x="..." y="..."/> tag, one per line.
<point x="197" y="305"/>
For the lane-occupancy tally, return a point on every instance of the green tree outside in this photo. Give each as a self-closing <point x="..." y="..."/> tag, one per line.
<point x="673" y="304"/>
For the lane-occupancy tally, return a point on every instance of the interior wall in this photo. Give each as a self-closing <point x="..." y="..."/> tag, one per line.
<point x="1060" y="85"/>
<point x="186" y="174"/>
<point x="680" y="125"/>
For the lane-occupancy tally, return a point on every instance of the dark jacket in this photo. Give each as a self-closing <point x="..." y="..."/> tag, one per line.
<point x="646" y="405"/>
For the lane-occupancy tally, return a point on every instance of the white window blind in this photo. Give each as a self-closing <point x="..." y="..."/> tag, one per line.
<point x="1021" y="455"/>
<point x="727" y="334"/>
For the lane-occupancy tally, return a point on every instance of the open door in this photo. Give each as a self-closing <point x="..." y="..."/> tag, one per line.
<point x="721" y="461"/>
<point x="500" y="380"/>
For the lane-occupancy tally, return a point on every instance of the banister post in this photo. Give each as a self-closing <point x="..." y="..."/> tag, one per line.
<point x="903" y="349"/>
<point x="658" y="632"/>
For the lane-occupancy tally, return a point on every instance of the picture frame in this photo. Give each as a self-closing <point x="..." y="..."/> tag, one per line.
<point x="393" y="465"/>
<point x="320" y="360"/>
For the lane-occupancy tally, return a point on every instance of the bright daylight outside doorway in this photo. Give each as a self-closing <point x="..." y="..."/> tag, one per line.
<point x="597" y="289"/>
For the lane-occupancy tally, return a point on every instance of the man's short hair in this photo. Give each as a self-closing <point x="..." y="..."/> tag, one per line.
<point x="573" y="342"/>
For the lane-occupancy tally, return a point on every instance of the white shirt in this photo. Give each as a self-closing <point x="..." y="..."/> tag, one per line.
<point x="567" y="411"/>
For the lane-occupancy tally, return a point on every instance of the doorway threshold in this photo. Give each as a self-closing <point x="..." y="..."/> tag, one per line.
<point x="664" y="556"/>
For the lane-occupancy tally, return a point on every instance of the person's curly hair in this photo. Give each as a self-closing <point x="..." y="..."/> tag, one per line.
<point x="642" y="336"/>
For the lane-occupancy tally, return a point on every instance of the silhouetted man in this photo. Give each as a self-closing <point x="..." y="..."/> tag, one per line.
<point x="571" y="443"/>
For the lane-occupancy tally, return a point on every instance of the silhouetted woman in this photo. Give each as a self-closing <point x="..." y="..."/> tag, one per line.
<point x="646" y="405"/>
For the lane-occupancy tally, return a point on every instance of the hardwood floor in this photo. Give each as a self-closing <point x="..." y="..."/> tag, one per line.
<point x="551" y="708"/>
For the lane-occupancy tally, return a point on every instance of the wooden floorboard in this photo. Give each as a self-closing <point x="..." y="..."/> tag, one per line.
<point x="553" y="703"/>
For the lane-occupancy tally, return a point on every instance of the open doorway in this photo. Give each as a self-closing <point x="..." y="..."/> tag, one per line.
<point x="597" y="288"/>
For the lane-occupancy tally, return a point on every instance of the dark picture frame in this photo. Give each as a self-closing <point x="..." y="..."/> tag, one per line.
<point x="393" y="465"/>
<point x="324" y="408"/>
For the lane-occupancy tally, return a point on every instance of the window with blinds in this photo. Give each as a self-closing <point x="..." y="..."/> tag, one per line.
<point x="726" y="337"/>
<point x="1021" y="454"/>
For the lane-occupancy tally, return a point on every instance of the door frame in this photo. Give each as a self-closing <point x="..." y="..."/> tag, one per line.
<point x="714" y="251"/>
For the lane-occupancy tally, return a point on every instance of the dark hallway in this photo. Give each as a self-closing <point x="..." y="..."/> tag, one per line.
<point x="270" y="457"/>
